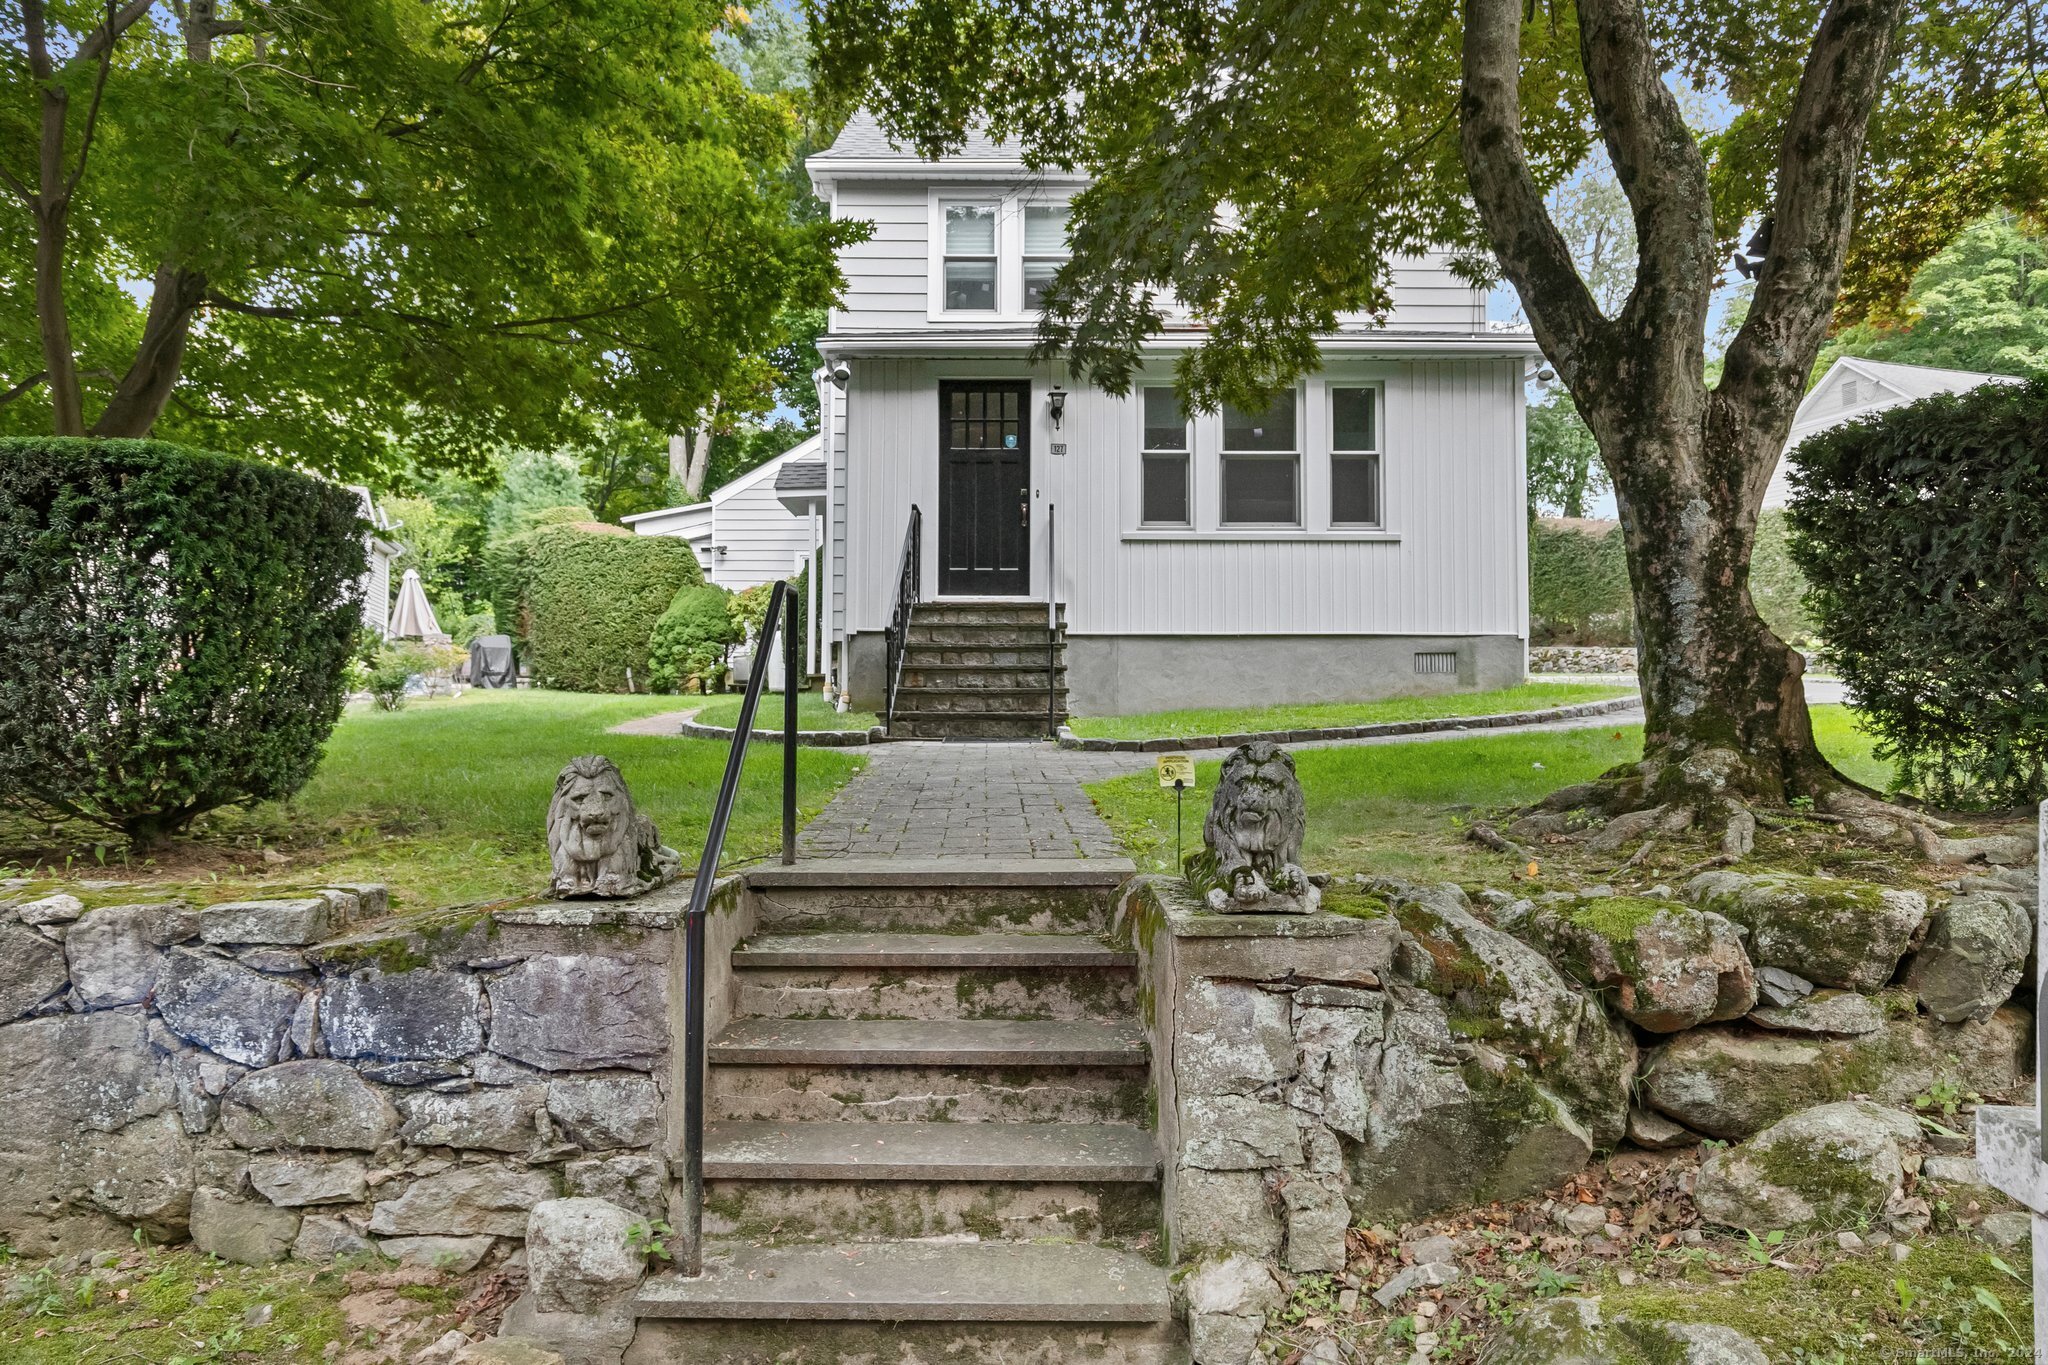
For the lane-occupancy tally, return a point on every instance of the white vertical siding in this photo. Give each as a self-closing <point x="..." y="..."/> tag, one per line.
<point x="1450" y="563"/>
<point x="377" y="591"/>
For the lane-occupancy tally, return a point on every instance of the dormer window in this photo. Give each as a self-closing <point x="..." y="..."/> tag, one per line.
<point x="970" y="260"/>
<point x="1045" y="250"/>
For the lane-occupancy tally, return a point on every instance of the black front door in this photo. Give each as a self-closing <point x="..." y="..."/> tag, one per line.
<point x="984" y="489"/>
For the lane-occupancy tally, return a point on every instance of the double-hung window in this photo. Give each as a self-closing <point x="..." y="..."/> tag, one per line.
<point x="1045" y="249"/>
<point x="970" y="258"/>
<point x="1261" y="460"/>
<point x="1354" y="457"/>
<point x="1164" y="499"/>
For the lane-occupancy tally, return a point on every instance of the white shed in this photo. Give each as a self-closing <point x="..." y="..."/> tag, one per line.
<point x="1854" y="388"/>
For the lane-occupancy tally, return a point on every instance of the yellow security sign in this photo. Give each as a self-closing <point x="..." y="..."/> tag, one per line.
<point x="1176" y="770"/>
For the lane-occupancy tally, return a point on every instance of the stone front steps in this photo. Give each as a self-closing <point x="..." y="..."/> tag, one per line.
<point x="930" y="1109"/>
<point x="980" y="670"/>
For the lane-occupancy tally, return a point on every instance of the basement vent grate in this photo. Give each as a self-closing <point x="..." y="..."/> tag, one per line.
<point x="1446" y="662"/>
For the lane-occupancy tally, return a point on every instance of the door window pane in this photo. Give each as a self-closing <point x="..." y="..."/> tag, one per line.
<point x="1352" y="419"/>
<point x="1166" y="490"/>
<point x="1260" y="491"/>
<point x="1166" y="426"/>
<point x="1272" y="429"/>
<point x="1354" y="490"/>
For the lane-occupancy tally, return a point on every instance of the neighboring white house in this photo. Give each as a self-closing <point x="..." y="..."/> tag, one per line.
<point x="1854" y="388"/>
<point x="745" y="533"/>
<point x="1365" y="537"/>
<point x="379" y="550"/>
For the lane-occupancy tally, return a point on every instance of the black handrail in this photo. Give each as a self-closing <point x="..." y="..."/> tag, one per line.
<point x="1052" y="621"/>
<point x="781" y="603"/>
<point x="909" y="584"/>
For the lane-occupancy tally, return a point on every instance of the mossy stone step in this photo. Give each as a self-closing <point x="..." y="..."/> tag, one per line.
<point x="928" y="950"/>
<point x="916" y="1282"/>
<point x="1082" y="1152"/>
<point x="919" y="1042"/>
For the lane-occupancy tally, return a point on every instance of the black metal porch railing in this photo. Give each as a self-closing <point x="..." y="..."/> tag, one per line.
<point x="909" y="584"/>
<point x="782" y="613"/>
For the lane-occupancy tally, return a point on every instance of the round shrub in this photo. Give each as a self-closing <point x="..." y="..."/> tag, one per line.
<point x="1924" y="533"/>
<point x="175" y="629"/>
<point x="592" y="596"/>
<point x="690" y="640"/>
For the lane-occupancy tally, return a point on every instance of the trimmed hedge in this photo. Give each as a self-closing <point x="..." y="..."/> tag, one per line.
<point x="690" y="640"/>
<point x="1924" y="531"/>
<point x="175" y="629"/>
<point x="592" y="596"/>
<point x="1578" y="587"/>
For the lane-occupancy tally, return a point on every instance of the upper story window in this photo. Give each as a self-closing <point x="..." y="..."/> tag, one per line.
<point x="1045" y="249"/>
<point x="1262" y="465"/>
<point x="1164" y="498"/>
<point x="970" y="257"/>
<point x="1354" y="456"/>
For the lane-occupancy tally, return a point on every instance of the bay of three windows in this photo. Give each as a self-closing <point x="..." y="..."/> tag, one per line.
<point x="972" y="258"/>
<point x="1259" y="461"/>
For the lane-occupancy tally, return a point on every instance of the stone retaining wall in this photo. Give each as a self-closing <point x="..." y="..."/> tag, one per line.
<point x="273" y="1078"/>
<point x="1581" y="659"/>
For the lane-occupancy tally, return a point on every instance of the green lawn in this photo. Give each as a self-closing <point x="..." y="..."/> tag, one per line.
<point x="813" y="712"/>
<point x="1318" y="715"/>
<point x="1394" y="808"/>
<point x="447" y="800"/>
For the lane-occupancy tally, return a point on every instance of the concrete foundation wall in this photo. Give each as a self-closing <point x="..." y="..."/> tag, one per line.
<point x="1133" y="674"/>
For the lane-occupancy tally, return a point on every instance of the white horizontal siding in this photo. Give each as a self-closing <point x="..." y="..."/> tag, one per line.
<point x="886" y="276"/>
<point x="1452" y="494"/>
<point x="762" y="540"/>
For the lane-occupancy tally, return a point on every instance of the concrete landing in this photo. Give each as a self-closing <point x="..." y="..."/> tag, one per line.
<point x="916" y="1282"/>
<point x="1080" y="1152"/>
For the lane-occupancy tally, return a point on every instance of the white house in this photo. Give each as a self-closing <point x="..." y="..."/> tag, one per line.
<point x="1854" y="388"/>
<point x="1364" y="537"/>
<point x="745" y="533"/>
<point x="379" y="550"/>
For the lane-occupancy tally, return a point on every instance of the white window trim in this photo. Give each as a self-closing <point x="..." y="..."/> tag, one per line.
<point x="1010" y="201"/>
<point x="1187" y="458"/>
<point x="1331" y="454"/>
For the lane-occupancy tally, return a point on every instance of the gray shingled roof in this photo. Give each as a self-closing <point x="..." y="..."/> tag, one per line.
<point x="863" y="140"/>
<point x="800" y="476"/>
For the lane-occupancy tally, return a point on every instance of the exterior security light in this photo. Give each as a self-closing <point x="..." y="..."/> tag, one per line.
<point x="1057" y="402"/>
<point x="841" y="376"/>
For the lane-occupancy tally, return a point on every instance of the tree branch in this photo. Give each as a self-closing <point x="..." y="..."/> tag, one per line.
<point x="101" y="39"/>
<point x="14" y="391"/>
<point x="1527" y="243"/>
<point x="92" y="119"/>
<point x="1819" y="158"/>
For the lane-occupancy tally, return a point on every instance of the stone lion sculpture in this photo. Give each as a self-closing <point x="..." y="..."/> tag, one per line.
<point x="1252" y="858"/>
<point x="601" y="845"/>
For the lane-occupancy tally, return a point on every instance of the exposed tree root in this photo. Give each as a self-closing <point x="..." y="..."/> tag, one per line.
<point x="1487" y="836"/>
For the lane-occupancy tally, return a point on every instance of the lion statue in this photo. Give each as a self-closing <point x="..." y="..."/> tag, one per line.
<point x="599" y="844"/>
<point x="1252" y="861"/>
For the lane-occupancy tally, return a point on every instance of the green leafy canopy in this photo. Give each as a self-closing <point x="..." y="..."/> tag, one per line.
<point x="442" y="224"/>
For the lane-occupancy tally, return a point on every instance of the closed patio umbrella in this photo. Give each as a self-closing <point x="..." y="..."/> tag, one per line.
<point x="413" y="617"/>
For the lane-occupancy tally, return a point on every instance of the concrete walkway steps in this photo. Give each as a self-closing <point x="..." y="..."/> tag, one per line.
<point x="929" y="1106"/>
<point x="917" y="1282"/>
<point x="929" y="1151"/>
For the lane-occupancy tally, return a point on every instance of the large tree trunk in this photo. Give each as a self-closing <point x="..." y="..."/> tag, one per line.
<point x="139" y="399"/>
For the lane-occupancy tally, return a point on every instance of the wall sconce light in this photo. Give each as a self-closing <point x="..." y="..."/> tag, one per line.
<point x="841" y="376"/>
<point x="1057" y="402"/>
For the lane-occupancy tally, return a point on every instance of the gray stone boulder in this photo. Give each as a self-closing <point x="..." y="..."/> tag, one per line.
<point x="1222" y="1211"/>
<point x="1730" y="1082"/>
<point x="1976" y="950"/>
<point x="1838" y="1013"/>
<point x="1228" y="1301"/>
<point x="464" y="1201"/>
<point x="1233" y="1038"/>
<point x="638" y="1183"/>
<point x="116" y="952"/>
<point x="1497" y="985"/>
<point x="294" y="1180"/>
<point x="506" y="1351"/>
<point x="1671" y="967"/>
<point x="1575" y="1332"/>
<point x="581" y="1012"/>
<point x="226" y="1008"/>
<point x="240" y="1230"/>
<point x="481" y="1120"/>
<point x="1835" y="933"/>
<point x="307" y="1104"/>
<point x="55" y="909"/>
<point x="578" y="1255"/>
<point x="325" y="1238"/>
<point x="454" y="1255"/>
<point x="422" y="1014"/>
<point x="31" y="970"/>
<point x="1833" y="1163"/>
<point x="600" y="1113"/>
<point x="296" y="923"/>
